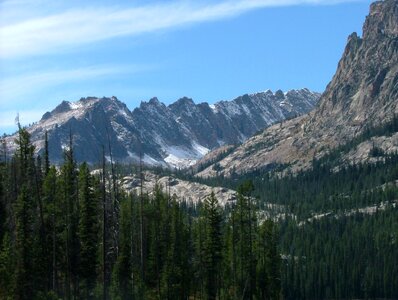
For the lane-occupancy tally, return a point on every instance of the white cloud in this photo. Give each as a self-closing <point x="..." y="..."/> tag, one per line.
<point x="13" y="89"/>
<point x="68" y="29"/>
<point x="7" y="118"/>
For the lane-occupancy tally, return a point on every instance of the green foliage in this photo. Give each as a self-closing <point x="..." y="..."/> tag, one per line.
<point x="212" y="245"/>
<point x="352" y="257"/>
<point x="7" y="267"/>
<point x="336" y="234"/>
<point x="122" y="285"/>
<point x="88" y="231"/>
<point x="269" y="262"/>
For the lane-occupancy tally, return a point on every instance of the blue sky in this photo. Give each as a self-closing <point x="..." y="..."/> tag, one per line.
<point x="207" y="50"/>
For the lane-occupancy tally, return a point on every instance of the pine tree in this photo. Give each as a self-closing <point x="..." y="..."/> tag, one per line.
<point x="46" y="154"/>
<point x="212" y="245"/>
<point x="245" y="221"/>
<point x="269" y="262"/>
<point x="71" y="216"/>
<point x="7" y="269"/>
<point x="88" y="231"/>
<point x="25" y="216"/>
<point x="3" y="214"/>
<point x="52" y="217"/>
<point x="176" y="284"/>
<point x="122" y="285"/>
<point x="24" y="244"/>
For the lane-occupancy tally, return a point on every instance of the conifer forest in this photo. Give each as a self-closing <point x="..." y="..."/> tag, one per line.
<point x="71" y="233"/>
<point x="271" y="195"/>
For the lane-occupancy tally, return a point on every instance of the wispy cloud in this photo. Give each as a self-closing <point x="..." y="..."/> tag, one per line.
<point x="7" y="118"/>
<point x="68" y="29"/>
<point x="13" y="89"/>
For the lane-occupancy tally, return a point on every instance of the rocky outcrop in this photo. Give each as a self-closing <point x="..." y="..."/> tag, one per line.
<point x="362" y="93"/>
<point x="191" y="192"/>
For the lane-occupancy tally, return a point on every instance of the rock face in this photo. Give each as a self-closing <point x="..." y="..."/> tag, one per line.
<point x="175" y="135"/>
<point x="362" y="93"/>
<point x="192" y="192"/>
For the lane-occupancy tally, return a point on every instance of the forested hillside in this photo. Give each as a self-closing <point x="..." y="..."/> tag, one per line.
<point x="338" y="222"/>
<point x="68" y="234"/>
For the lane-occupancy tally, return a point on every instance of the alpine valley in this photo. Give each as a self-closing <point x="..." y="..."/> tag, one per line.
<point x="272" y="195"/>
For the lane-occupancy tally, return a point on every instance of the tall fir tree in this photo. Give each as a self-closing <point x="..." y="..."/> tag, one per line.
<point x="53" y="216"/>
<point x="213" y="246"/>
<point x="269" y="262"/>
<point x="88" y="232"/>
<point x="71" y="216"/>
<point x="25" y="219"/>
<point x="122" y="277"/>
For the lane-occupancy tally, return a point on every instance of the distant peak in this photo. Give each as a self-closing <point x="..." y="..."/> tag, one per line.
<point x="89" y="98"/>
<point x="46" y="116"/>
<point x="62" y="107"/>
<point x="154" y="101"/>
<point x="268" y="92"/>
<point x="279" y="94"/>
<point x="185" y="101"/>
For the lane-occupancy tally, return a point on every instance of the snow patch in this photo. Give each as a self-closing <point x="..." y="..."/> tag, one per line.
<point x="150" y="160"/>
<point x="178" y="162"/>
<point x="182" y="157"/>
<point x="214" y="108"/>
<point x="132" y="155"/>
<point x="200" y="149"/>
<point x="285" y="103"/>
<point x="123" y="113"/>
<point x="75" y="105"/>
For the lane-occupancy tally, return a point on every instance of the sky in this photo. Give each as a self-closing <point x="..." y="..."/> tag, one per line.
<point x="135" y="50"/>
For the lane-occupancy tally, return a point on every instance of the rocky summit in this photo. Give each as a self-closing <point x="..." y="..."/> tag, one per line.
<point x="175" y="135"/>
<point x="363" y="93"/>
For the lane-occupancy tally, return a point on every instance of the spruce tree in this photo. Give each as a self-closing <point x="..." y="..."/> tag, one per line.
<point x="71" y="221"/>
<point x="88" y="232"/>
<point x="7" y="268"/>
<point x="46" y="154"/>
<point x="122" y="285"/>
<point x="25" y="219"/>
<point x="53" y="215"/>
<point x="24" y="246"/>
<point x="212" y="245"/>
<point x="245" y="229"/>
<point x="269" y="262"/>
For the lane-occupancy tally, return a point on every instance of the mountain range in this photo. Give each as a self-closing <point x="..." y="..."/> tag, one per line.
<point x="363" y="94"/>
<point x="173" y="136"/>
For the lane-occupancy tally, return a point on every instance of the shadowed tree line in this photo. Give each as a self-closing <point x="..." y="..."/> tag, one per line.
<point x="70" y="233"/>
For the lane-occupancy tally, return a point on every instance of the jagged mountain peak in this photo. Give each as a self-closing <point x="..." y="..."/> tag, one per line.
<point x="280" y="95"/>
<point x="382" y="20"/>
<point x="366" y="74"/>
<point x="152" y="105"/>
<point x="154" y="101"/>
<point x="279" y="92"/>
<point x="363" y="93"/>
<point x="84" y="102"/>
<point x="184" y="101"/>
<point x="174" y="135"/>
<point x="62" y="107"/>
